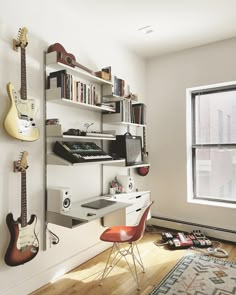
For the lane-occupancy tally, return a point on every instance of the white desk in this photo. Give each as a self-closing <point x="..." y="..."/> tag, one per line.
<point x="78" y="215"/>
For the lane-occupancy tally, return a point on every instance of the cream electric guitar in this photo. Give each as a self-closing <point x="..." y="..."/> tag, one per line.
<point x="20" y="120"/>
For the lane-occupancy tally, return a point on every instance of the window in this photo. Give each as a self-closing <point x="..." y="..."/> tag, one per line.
<point x="213" y="143"/>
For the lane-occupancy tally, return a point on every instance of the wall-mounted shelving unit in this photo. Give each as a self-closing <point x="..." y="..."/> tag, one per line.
<point x="57" y="94"/>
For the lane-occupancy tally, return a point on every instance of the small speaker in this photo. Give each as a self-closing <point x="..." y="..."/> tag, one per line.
<point x="127" y="182"/>
<point x="59" y="199"/>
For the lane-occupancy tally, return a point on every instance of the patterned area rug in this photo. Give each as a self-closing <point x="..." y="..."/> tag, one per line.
<point x="198" y="274"/>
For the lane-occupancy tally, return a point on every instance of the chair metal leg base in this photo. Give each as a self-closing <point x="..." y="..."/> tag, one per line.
<point x="122" y="253"/>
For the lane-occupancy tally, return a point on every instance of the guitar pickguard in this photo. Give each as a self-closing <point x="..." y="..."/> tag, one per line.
<point x="26" y="108"/>
<point x="20" y="122"/>
<point x="27" y="240"/>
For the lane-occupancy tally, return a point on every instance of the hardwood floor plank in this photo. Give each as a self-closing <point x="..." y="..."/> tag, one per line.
<point x="158" y="261"/>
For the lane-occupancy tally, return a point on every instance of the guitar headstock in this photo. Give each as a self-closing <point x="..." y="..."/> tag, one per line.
<point x="21" y="164"/>
<point x="21" y="39"/>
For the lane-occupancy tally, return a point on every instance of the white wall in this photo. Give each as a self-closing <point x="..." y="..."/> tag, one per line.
<point x="168" y="78"/>
<point x="49" y="22"/>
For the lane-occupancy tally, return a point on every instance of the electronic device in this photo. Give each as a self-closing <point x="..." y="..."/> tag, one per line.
<point x="128" y="147"/>
<point x="77" y="152"/>
<point x="59" y="199"/>
<point x="127" y="182"/>
<point x="185" y="240"/>
<point x="90" y="214"/>
<point x="98" y="204"/>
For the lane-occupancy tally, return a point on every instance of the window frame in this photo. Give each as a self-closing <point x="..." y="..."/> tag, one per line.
<point x="192" y="146"/>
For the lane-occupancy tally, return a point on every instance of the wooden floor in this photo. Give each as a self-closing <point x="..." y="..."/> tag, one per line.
<point x="158" y="261"/>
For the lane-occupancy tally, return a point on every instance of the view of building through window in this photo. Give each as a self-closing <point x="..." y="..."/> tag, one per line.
<point x="214" y="144"/>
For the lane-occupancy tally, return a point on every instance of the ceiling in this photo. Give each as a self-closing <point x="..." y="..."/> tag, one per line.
<point x="177" y="24"/>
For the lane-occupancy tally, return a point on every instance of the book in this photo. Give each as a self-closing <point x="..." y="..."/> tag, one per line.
<point x="139" y="113"/>
<point x="56" y="79"/>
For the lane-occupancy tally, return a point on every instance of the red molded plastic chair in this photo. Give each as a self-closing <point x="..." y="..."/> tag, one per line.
<point x="125" y="234"/>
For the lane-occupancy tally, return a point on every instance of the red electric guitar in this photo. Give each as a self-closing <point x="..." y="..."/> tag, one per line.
<point x="143" y="171"/>
<point x="24" y="244"/>
<point x="67" y="58"/>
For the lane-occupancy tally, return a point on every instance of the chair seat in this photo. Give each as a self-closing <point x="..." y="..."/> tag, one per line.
<point x="119" y="234"/>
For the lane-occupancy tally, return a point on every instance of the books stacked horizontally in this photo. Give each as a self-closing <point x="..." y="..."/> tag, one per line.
<point x="71" y="88"/>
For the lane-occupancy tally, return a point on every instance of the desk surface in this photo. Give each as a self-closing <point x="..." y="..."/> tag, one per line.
<point x="79" y="212"/>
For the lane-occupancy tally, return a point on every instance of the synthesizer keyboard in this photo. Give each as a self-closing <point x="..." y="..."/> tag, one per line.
<point x="79" y="152"/>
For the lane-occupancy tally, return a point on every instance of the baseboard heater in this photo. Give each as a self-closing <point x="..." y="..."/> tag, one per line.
<point x="181" y="225"/>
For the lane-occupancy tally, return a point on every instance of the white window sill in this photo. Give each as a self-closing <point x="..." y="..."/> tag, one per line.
<point x="212" y="203"/>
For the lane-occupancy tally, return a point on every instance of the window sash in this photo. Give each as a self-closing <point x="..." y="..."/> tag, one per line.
<point x="209" y="146"/>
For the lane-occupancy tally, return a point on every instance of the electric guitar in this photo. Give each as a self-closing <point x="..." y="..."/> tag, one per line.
<point x="67" y="58"/>
<point x="24" y="244"/>
<point x="20" y="120"/>
<point x="143" y="171"/>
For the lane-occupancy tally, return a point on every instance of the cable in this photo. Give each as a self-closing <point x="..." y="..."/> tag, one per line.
<point x="218" y="252"/>
<point x="160" y="244"/>
<point x="150" y="229"/>
<point x="54" y="237"/>
<point x="215" y="251"/>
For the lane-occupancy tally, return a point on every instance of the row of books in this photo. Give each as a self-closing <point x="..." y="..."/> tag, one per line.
<point x="139" y="113"/>
<point x="71" y="88"/>
<point x="127" y="112"/>
<point x="118" y="86"/>
<point x="116" y="89"/>
<point x="124" y="107"/>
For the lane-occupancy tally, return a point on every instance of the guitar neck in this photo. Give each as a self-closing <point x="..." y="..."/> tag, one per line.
<point x="75" y="63"/>
<point x="23" y="199"/>
<point x="23" y="75"/>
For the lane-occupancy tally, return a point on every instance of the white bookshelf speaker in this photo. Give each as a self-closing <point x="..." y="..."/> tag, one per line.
<point x="59" y="199"/>
<point x="127" y="182"/>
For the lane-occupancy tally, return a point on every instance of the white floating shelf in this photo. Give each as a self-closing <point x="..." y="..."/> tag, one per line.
<point x="54" y="95"/>
<point x="111" y="98"/>
<point x="53" y="159"/>
<point x="122" y="164"/>
<point x="71" y="137"/>
<point x="124" y="123"/>
<point x="137" y="166"/>
<point x="51" y="60"/>
<point x="116" y="119"/>
<point x="55" y="132"/>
